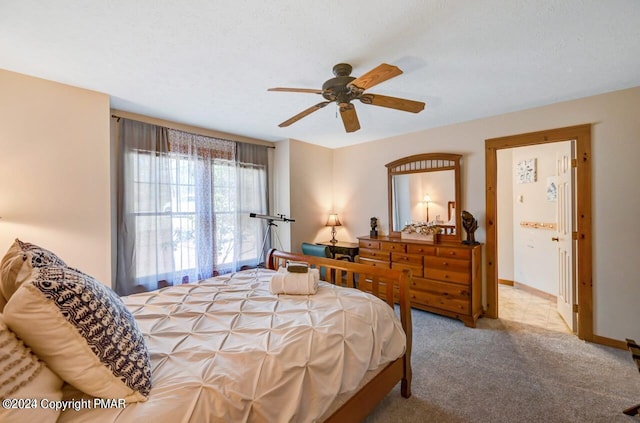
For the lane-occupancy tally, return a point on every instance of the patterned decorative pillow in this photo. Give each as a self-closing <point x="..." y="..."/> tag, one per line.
<point x="23" y="376"/>
<point x="18" y="265"/>
<point x="83" y="331"/>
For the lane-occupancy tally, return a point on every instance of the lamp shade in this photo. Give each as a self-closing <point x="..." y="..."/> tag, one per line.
<point x="333" y="220"/>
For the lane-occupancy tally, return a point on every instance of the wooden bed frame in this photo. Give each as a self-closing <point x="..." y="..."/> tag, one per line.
<point x="390" y="285"/>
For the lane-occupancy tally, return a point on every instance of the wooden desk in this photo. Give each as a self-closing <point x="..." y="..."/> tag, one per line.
<point x="349" y="249"/>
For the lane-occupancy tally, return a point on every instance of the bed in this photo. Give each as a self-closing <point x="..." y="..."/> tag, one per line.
<point x="226" y="349"/>
<point x="393" y="287"/>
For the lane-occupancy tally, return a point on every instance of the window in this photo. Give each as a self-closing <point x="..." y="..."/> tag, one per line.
<point x="185" y="208"/>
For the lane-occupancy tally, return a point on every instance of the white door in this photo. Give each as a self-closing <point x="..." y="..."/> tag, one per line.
<point x="564" y="238"/>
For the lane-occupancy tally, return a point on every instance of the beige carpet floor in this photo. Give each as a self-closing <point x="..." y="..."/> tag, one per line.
<point x="509" y="371"/>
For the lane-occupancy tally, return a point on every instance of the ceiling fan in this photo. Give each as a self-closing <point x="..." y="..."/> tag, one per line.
<point x="343" y="89"/>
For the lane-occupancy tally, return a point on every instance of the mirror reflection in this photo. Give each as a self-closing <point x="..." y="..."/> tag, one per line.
<point x="424" y="189"/>
<point x="424" y="197"/>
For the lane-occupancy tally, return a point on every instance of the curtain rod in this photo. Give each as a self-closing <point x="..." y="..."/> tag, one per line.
<point x="117" y="114"/>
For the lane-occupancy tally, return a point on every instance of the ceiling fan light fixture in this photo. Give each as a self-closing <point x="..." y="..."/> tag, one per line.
<point x="343" y="89"/>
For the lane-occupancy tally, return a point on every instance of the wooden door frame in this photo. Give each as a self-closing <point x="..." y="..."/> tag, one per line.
<point x="582" y="136"/>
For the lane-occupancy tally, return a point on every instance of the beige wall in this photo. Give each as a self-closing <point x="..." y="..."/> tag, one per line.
<point x="360" y="188"/>
<point x="54" y="172"/>
<point x="505" y="214"/>
<point x="311" y="197"/>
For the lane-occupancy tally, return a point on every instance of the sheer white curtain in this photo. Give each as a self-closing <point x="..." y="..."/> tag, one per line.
<point x="204" y="194"/>
<point x="183" y="206"/>
<point x="218" y="183"/>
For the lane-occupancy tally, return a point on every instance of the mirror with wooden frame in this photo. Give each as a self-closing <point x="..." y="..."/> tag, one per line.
<point x="425" y="188"/>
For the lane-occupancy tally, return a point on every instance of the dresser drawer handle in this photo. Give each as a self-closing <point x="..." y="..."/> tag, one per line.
<point x="444" y="263"/>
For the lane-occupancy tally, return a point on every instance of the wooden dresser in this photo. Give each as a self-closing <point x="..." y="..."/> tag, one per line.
<point x="447" y="276"/>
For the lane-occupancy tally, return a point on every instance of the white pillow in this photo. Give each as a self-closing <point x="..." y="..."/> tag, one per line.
<point x="83" y="331"/>
<point x="18" y="265"/>
<point x="23" y="376"/>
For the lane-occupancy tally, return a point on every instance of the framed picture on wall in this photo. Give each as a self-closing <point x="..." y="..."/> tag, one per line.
<point x="526" y="171"/>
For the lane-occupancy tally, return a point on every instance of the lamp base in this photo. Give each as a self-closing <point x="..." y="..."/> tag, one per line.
<point x="333" y="235"/>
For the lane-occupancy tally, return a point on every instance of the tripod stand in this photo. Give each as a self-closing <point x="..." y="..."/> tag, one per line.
<point x="270" y="224"/>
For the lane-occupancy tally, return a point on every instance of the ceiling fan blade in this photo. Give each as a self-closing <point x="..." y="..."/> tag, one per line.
<point x="297" y="90"/>
<point x="349" y="118"/>
<point x="303" y="113"/>
<point x="393" y="102"/>
<point x="376" y="76"/>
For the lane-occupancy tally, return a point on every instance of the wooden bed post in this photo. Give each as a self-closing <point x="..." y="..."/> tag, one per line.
<point x="407" y="325"/>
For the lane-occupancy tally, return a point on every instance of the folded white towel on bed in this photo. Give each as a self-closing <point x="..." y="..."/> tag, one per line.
<point x="285" y="282"/>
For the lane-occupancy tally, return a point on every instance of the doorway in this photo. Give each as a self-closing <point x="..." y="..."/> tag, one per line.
<point x="582" y="136"/>
<point x="534" y="227"/>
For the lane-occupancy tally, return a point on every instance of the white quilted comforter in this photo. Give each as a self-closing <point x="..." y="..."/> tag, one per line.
<point x="227" y="350"/>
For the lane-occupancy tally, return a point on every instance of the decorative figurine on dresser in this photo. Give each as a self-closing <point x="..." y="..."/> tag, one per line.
<point x="446" y="275"/>
<point x="374" y="227"/>
<point x="470" y="224"/>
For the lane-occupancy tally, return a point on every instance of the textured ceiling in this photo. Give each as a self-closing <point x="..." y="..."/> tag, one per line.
<point x="209" y="63"/>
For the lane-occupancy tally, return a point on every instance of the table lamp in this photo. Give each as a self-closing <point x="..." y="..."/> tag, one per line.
<point x="333" y="221"/>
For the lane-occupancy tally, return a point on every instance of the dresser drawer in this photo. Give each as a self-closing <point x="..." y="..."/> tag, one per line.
<point x="393" y="246"/>
<point x="373" y="254"/>
<point x="375" y="263"/>
<point x="426" y="250"/>
<point x="442" y="295"/>
<point x="448" y="275"/>
<point x="374" y="245"/>
<point x="446" y="263"/>
<point x="412" y="259"/>
<point x="415" y="270"/>
<point x="462" y="253"/>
